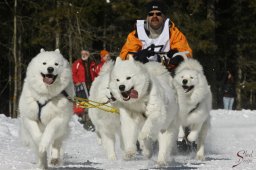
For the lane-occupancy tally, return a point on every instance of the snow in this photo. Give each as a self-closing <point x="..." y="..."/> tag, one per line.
<point x="231" y="141"/>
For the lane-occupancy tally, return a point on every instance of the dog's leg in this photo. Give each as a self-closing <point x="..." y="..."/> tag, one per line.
<point x="201" y="140"/>
<point x="98" y="137"/>
<point x="42" y="161"/>
<point x="55" y="151"/>
<point x="181" y="133"/>
<point x="129" y="131"/>
<point x="108" y="141"/>
<point x="147" y="147"/>
<point x="121" y="139"/>
<point x="152" y="126"/>
<point x="194" y="131"/>
<point x="167" y="142"/>
<point x="49" y="132"/>
<point x="34" y="130"/>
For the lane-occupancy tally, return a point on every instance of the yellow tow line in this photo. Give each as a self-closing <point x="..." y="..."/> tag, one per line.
<point x="86" y="103"/>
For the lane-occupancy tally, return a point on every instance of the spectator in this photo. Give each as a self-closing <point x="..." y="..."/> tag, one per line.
<point x="83" y="71"/>
<point x="105" y="56"/>
<point x="229" y="92"/>
<point x="156" y="30"/>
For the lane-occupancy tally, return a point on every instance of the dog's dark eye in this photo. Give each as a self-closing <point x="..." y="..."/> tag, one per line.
<point x="56" y="64"/>
<point x="117" y="79"/>
<point x="44" y="63"/>
<point x="128" y="78"/>
<point x="191" y="77"/>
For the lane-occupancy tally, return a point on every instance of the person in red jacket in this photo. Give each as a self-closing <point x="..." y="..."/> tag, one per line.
<point x="83" y="73"/>
<point x="105" y="56"/>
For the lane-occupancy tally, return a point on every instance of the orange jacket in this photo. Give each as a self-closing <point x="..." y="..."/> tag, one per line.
<point x="177" y="41"/>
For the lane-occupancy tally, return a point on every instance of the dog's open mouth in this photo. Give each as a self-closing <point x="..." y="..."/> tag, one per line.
<point x="49" y="78"/>
<point x="187" y="88"/>
<point x="129" y="94"/>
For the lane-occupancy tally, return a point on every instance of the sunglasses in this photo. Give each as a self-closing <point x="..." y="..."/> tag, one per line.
<point x="152" y="14"/>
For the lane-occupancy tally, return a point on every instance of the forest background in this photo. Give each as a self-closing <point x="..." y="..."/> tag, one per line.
<point x="222" y="34"/>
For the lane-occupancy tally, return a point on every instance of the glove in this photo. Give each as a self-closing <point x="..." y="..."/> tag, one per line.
<point x="143" y="54"/>
<point x="172" y="52"/>
<point x="174" y="61"/>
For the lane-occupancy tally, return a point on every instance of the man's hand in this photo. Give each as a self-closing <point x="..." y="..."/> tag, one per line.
<point x="174" y="61"/>
<point x="143" y="54"/>
<point x="172" y="52"/>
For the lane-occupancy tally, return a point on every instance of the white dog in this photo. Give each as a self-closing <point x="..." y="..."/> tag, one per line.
<point x="195" y="102"/>
<point x="44" y="105"/>
<point x="148" y="109"/>
<point x="107" y="124"/>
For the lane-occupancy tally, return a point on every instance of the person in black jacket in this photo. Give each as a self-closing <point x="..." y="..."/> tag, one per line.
<point x="229" y="91"/>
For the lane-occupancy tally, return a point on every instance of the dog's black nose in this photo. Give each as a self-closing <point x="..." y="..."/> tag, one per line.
<point x="121" y="87"/>
<point x="50" y="69"/>
<point x="185" y="81"/>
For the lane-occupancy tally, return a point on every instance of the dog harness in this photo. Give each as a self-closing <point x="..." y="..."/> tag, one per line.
<point x="194" y="108"/>
<point x="40" y="106"/>
<point x="163" y="41"/>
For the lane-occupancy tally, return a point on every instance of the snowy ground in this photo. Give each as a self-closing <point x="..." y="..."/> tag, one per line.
<point x="231" y="141"/>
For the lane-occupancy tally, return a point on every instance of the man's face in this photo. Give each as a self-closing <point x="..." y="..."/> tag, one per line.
<point x="85" y="55"/>
<point x="155" y="19"/>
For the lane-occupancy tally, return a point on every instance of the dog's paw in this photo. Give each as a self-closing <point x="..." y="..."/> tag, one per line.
<point x="42" y="164"/>
<point x="129" y="155"/>
<point x="112" y="157"/>
<point x="192" y="136"/>
<point x="55" y="161"/>
<point x="200" y="157"/>
<point x="144" y="136"/>
<point x="147" y="147"/>
<point x="146" y="153"/>
<point x="162" y="163"/>
<point x="42" y="148"/>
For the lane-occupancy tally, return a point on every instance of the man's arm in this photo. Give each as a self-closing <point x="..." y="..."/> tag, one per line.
<point x="74" y="72"/>
<point x="132" y="44"/>
<point x="178" y="40"/>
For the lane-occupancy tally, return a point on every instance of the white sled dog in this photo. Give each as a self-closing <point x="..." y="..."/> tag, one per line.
<point x="44" y="105"/>
<point x="148" y="108"/>
<point x="107" y="124"/>
<point x="195" y="102"/>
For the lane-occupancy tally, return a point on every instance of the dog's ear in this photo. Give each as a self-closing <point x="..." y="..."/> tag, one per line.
<point x="130" y="58"/>
<point x="42" y="50"/>
<point x="57" y="50"/>
<point x="118" y="59"/>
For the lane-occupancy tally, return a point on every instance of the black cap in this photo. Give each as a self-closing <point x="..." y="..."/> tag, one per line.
<point x="156" y="5"/>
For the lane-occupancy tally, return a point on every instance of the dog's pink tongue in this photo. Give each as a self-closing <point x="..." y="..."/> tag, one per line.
<point x="48" y="80"/>
<point x="134" y="94"/>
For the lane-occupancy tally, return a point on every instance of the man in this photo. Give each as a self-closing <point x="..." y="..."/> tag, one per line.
<point x="83" y="71"/>
<point x="155" y="34"/>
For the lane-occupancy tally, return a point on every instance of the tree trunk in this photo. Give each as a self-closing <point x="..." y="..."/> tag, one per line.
<point x="238" y="88"/>
<point x="79" y="32"/>
<point x="57" y="32"/>
<point x="212" y="60"/>
<point x="15" y="75"/>
<point x="70" y="45"/>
